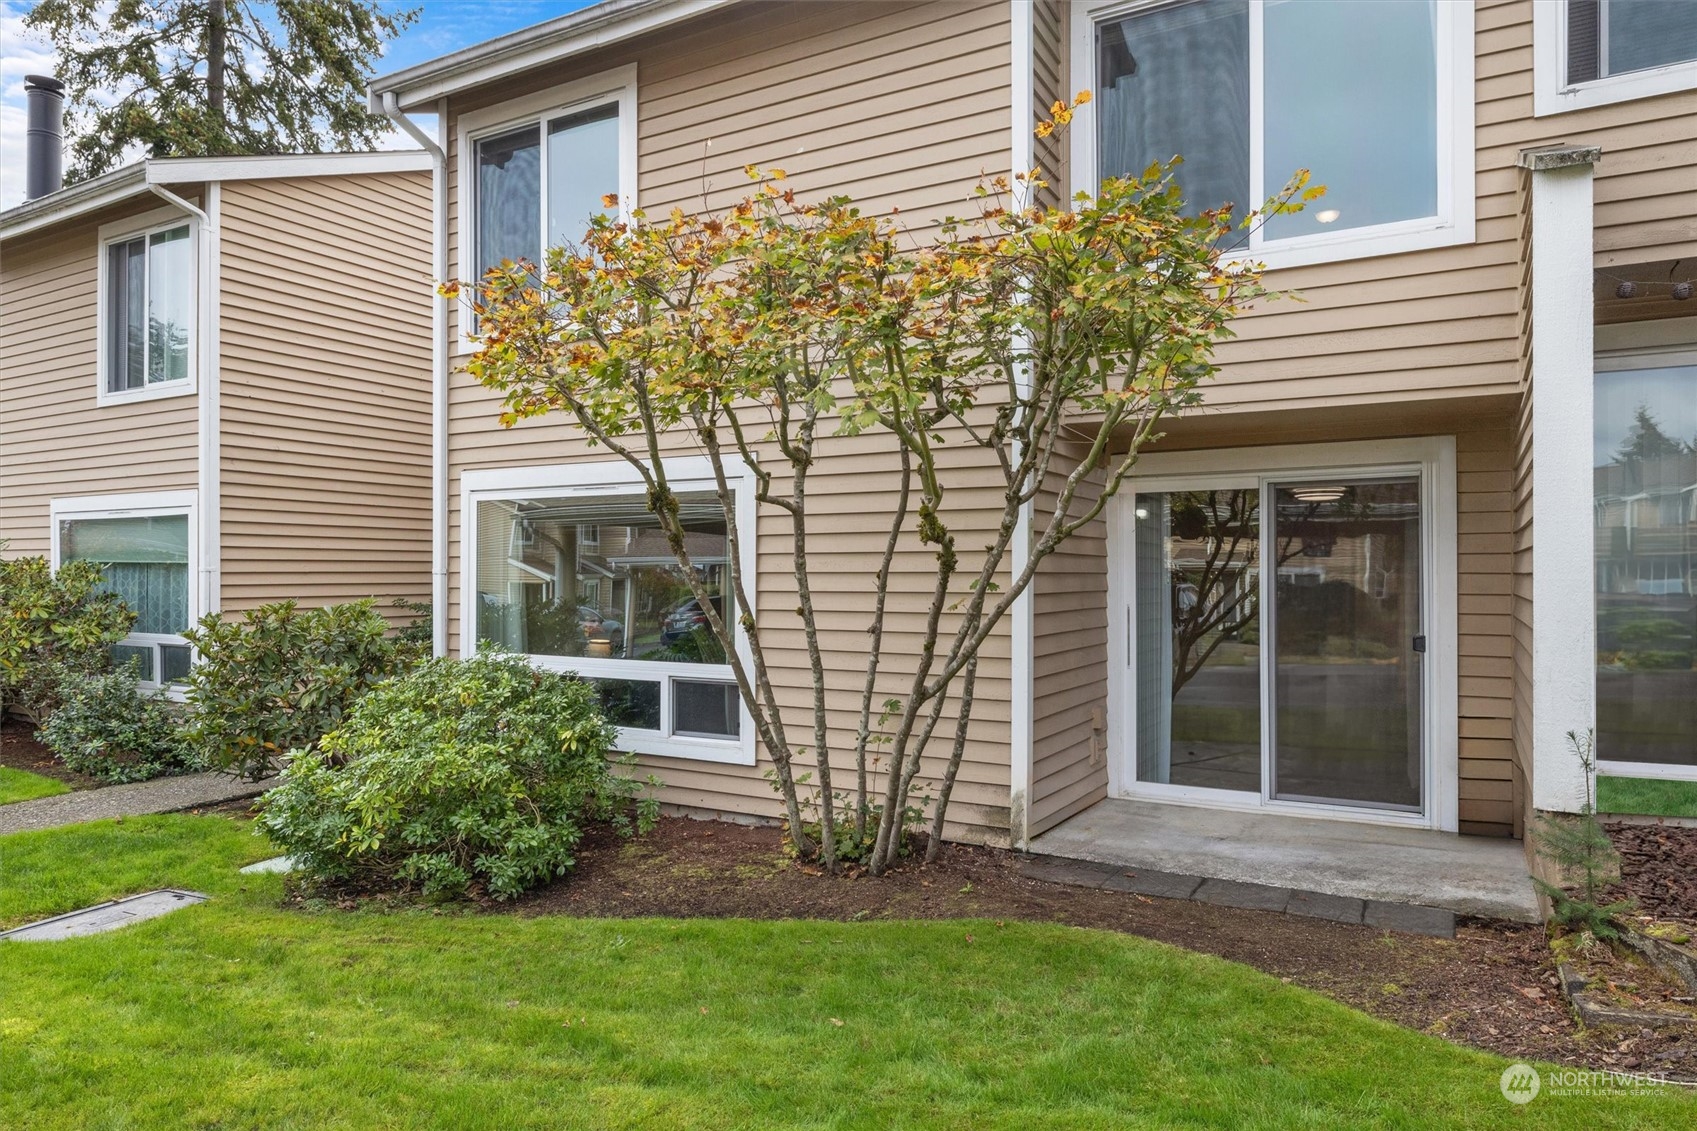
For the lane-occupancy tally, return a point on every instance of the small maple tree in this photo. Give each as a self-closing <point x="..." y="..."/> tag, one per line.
<point x="1049" y="340"/>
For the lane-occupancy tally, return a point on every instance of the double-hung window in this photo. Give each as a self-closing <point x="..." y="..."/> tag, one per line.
<point x="539" y="169"/>
<point x="148" y="307"/>
<point x="1375" y="99"/>
<point x="568" y="566"/>
<point x="144" y="545"/>
<point x="1594" y="52"/>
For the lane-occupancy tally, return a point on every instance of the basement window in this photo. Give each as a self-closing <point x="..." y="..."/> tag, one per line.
<point x="580" y="578"/>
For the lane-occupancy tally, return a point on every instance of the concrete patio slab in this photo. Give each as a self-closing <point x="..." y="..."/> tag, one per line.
<point x="1460" y="874"/>
<point x="105" y="916"/>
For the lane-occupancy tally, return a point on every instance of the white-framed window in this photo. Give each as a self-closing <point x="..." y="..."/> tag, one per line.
<point x="1595" y="52"/>
<point x="149" y="300"/>
<point x="1376" y="100"/>
<point x="146" y="546"/>
<point x="1644" y="506"/>
<point x="620" y="614"/>
<point x="534" y="171"/>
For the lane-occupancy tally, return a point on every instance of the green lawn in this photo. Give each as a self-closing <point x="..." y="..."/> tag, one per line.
<point x="1647" y="797"/>
<point x="21" y="785"/>
<point x="237" y="1013"/>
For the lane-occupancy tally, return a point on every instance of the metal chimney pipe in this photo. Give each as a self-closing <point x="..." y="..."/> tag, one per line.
<point x="44" y="146"/>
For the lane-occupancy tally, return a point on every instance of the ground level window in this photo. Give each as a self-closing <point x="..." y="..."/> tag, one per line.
<point x="589" y="583"/>
<point x="145" y="559"/>
<point x="1644" y="474"/>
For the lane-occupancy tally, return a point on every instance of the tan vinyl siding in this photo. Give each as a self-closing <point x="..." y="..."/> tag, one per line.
<point x="1484" y="624"/>
<point x="55" y="441"/>
<point x="325" y="405"/>
<point x="1050" y="79"/>
<point x="899" y="105"/>
<point x="1070" y="666"/>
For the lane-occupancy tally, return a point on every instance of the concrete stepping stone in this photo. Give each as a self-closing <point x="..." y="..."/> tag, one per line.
<point x="280" y="864"/>
<point x="106" y="916"/>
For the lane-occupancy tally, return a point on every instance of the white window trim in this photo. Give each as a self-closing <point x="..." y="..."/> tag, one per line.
<point x="1553" y="94"/>
<point x="616" y="477"/>
<point x="613" y="86"/>
<point x="122" y="231"/>
<point x="1644" y="345"/>
<point x="1433" y="458"/>
<point x="144" y="504"/>
<point x="1454" y="223"/>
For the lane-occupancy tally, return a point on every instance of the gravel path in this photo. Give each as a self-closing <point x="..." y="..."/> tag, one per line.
<point x="162" y="795"/>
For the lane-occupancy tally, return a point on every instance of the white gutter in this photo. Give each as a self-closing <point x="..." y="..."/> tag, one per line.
<point x="208" y="451"/>
<point x="1021" y="621"/>
<point x="438" y="365"/>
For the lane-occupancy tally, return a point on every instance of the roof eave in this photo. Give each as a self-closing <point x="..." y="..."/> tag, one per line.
<point x="600" y="25"/>
<point x="135" y="180"/>
<point x="80" y="199"/>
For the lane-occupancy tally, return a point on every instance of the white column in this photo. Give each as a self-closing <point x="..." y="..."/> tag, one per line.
<point x="1564" y="647"/>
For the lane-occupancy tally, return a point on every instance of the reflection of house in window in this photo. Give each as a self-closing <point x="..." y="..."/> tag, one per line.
<point x="593" y="576"/>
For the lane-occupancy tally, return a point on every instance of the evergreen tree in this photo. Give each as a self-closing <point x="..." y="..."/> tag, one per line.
<point x="1580" y="849"/>
<point x="1646" y="441"/>
<point x="199" y="78"/>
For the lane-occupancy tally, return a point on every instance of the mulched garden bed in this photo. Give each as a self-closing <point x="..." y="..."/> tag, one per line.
<point x="1493" y="986"/>
<point x="1658" y="869"/>
<point x="20" y="751"/>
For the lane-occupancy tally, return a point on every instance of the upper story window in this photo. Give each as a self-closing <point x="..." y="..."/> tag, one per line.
<point x="1594" y="52"/>
<point x="541" y="168"/>
<point x="1375" y="99"/>
<point x="148" y="310"/>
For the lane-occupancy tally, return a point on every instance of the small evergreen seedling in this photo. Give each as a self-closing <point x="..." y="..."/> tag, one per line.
<point x="1581" y="850"/>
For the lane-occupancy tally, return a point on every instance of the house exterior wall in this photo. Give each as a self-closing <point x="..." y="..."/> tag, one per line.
<point x="324" y="322"/>
<point x="56" y="441"/>
<point x="1422" y="343"/>
<point x="899" y="105"/>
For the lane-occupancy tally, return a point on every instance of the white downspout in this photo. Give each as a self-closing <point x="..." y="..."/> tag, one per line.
<point x="208" y="585"/>
<point x="438" y="365"/>
<point x="1021" y="622"/>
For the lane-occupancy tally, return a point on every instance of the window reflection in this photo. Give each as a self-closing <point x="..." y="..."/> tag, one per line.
<point x="1644" y="475"/>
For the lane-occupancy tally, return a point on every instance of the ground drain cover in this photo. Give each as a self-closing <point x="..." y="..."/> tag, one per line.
<point x="105" y="916"/>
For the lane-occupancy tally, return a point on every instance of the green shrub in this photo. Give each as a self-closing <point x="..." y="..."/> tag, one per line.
<point x="106" y="726"/>
<point x="480" y="771"/>
<point x="53" y="624"/>
<point x="281" y="678"/>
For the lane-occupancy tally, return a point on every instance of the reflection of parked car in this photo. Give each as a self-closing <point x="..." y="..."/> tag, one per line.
<point x="686" y="618"/>
<point x="598" y="627"/>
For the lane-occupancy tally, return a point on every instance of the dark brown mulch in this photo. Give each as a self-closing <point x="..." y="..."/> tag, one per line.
<point x="20" y="751"/>
<point x="1492" y="987"/>
<point x="1659" y="868"/>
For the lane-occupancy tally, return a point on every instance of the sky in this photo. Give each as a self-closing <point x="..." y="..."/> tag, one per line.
<point x="443" y="26"/>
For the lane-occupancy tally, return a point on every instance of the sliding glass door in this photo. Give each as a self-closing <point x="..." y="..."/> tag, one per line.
<point x="1346" y="645"/>
<point x="1276" y="643"/>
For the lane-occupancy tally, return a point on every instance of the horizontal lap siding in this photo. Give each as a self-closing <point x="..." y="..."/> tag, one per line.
<point x="1069" y="662"/>
<point x="898" y="105"/>
<point x="1484" y="623"/>
<point x="325" y="407"/>
<point x="54" y="440"/>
